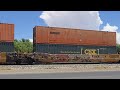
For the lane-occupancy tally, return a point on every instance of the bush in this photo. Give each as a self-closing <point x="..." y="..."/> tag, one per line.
<point x="23" y="46"/>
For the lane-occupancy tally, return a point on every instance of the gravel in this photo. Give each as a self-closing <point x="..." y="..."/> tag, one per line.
<point x="58" y="68"/>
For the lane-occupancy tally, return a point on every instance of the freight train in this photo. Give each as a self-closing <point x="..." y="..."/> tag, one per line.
<point x="60" y="45"/>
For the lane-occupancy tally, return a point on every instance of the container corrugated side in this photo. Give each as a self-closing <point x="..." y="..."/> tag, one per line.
<point x="74" y="49"/>
<point x="6" y="47"/>
<point x="73" y="36"/>
<point x="7" y="32"/>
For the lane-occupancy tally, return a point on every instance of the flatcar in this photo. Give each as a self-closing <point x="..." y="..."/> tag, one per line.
<point x="45" y="58"/>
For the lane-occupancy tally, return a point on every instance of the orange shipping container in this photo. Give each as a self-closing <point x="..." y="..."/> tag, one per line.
<point x="6" y="32"/>
<point x="54" y="35"/>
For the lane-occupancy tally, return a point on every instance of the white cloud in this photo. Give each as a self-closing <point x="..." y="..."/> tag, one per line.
<point x="110" y="28"/>
<point x="31" y="40"/>
<point x="72" y="19"/>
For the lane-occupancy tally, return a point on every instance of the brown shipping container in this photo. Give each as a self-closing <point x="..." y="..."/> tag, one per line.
<point x="12" y="33"/>
<point x="53" y="35"/>
<point x="112" y="38"/>
<point x="6" y="32"/>
<point x="0" y="33"/>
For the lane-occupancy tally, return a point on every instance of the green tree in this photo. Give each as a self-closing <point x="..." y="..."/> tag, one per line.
<point x="118" y="47"/>
<point x="23" y="45"/>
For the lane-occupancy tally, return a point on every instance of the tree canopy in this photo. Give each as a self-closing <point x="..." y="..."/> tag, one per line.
<point x="118" y="47"/>
<point x="23" y="45"/>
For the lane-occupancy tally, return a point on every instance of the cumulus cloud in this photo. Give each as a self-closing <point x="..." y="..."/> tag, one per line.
<point x="72" y="19"/>
<point x="31" y="40"/>
<point x="110" y="28"/>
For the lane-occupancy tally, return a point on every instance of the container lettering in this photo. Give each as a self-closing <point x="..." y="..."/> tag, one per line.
<point x="90" y="51"/>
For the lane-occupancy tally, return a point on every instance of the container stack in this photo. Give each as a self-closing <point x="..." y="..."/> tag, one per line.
<point x="57" y="40"/>
<point x="6" y="37"/>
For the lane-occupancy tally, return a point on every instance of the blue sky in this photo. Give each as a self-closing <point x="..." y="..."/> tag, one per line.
<point x="25" y="21"/>
<point x="111" y="17"/>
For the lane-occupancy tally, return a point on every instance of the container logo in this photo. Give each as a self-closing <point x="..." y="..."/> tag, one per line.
<point x="54" y="32"/>
<point x="90" y="51"/>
